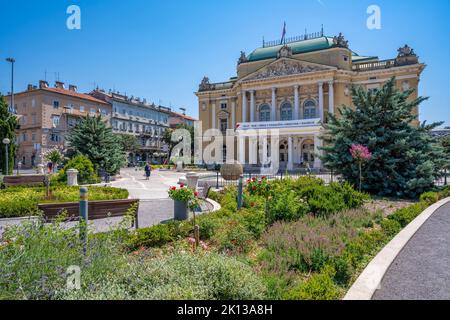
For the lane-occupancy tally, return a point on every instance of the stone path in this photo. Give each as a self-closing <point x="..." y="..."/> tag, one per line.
<point x="422" y="269"/>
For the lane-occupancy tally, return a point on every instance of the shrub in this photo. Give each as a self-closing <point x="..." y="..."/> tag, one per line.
<point x="254" y="221"/>
<point x="391" y="227"/>
<point x="178" y="276"/>
<point x="317" y="287"/>
<point x="429" y="197"/>
<point x="307" y="181"/>
<point x="157" y="235"/>
<point x="405" y="215"/>
<point x="233" y="237"/>
<point x="286" y="206"/>
<point x="86" y="171"/>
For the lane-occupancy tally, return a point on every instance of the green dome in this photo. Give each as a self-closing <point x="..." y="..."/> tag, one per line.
<point x="304" y="46"/>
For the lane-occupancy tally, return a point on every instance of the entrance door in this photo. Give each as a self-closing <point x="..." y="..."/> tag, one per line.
<point x="284" y="150"/>
<point x="308" y="153"/>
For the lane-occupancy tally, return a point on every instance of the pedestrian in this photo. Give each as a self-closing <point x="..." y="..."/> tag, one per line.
<point x="148" y="171"/>
<point x="50" y="167"/>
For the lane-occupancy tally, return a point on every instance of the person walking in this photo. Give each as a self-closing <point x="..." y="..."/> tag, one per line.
<point x="148" y="171"/>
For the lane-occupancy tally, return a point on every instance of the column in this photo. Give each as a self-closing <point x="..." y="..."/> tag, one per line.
<point x="296" y="103"/>
<point x="290" y="165"/>
<point x="213" y="116"/>
<point x="241" y="149"/>
<point x="264" y="148"/>
<point x="244" y="106"/>
<point x="253" y="150"/>
<point x="317" y="151"/>
<point x="233" y="114"/>
<point x="273" y="114"/>
<point x="330" y="97"/>
<point x="252" y="106"/>
<point x="321" y="100"/>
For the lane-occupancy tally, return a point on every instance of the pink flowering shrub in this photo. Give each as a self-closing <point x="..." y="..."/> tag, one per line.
<point x="360" y="153"/>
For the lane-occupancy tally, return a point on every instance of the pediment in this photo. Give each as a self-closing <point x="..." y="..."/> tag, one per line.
<point x="286" y="67"/>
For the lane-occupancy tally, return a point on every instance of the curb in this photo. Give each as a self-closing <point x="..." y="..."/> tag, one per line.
<point x="370" y="279"/>
<point x="216" y="206"/>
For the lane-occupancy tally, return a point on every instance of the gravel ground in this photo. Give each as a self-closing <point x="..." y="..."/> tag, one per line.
<point x="422" y="269"/>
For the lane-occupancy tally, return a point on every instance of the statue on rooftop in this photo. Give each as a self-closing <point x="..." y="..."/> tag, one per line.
<point x="285" y="52"/>
<point x="340" y="41"/>
<point x="204" y="85"/>
<point x="242" y="58"/>
<point x="406" y="51"/>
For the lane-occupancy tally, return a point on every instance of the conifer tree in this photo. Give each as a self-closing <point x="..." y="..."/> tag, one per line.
<point x="8" y="124"/>
<point x="94" y="139"/>
<point x="406" y="159"/>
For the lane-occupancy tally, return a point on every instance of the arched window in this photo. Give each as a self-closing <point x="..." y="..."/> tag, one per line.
<point x="264" y="113"/>
<point x="286" y="111"/>
<point x="309" y="110"/>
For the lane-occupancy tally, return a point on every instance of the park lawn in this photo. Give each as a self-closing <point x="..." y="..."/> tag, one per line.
<point x="23" y="201"/>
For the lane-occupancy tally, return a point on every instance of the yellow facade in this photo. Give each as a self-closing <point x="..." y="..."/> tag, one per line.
<point x="288" y="85"/>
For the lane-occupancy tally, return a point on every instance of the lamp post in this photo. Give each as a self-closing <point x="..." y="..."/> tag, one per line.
<point x="12" y="61"/>
<point x="6" y="142"/>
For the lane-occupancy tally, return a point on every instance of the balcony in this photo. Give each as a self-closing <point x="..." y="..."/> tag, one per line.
<point x="289" y="124"/>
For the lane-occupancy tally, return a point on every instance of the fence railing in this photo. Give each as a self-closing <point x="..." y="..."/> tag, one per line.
<point x="217" y="181"/>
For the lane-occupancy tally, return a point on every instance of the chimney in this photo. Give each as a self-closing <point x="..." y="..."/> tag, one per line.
<point x="59" y="85"/>
<point x="43" y="84"/>
<point x="72" y="87"/>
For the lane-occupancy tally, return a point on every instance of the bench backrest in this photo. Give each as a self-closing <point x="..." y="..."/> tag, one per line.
<point x="96" y="209"/>
<point x="26" y="180"/>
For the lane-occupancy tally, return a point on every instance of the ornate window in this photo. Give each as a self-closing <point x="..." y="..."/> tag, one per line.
<point x="309" y="110"/>
<point x="286" y="111"/>
<point x="264" y="113"/>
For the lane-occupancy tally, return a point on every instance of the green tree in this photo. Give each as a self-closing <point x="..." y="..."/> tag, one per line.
<point x="167" y="137"/>
<point x="86" y="172"/>
<point x="406" y="159"/>
<point x="8" y="124"/>
<point x="94" y="139"/>
<point x="54" y="156"/>
<point x="128" y="142"/>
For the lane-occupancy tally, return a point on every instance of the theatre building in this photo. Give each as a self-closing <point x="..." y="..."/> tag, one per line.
<point x="292" y="85"/>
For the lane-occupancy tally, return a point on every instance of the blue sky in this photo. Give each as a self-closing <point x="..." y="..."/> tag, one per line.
<point x="160" y="50"/>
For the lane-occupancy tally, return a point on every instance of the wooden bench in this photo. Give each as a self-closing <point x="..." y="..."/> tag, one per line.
<point x="25" y="180"/>
<point x="96" y="210"/>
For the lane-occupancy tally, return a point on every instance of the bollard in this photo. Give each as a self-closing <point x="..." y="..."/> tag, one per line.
<point x="217" y="180"/>
<point x="240" y="189"/>
<point x="84" y="216"/>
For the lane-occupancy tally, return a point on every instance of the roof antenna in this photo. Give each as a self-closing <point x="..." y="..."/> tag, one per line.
<point x="322" y="30"/>
<point x="264" y="44"/>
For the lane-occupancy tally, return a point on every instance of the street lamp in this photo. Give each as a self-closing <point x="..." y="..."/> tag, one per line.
<point x="6" y="142"/>
<point x="12" y="60"/>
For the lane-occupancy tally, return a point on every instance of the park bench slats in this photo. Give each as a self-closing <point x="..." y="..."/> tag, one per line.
<point x="26" y="180"/>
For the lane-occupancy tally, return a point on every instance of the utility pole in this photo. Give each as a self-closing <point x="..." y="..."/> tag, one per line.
<point x="12" y="60"/>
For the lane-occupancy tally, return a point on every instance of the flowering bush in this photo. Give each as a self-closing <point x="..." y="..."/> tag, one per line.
<point x="183" y="194"/>
<point x="259" y="187"/>
<point x="360" y="153"/>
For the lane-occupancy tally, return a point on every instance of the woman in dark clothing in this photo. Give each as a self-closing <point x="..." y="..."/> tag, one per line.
<point x="148" y="171"/>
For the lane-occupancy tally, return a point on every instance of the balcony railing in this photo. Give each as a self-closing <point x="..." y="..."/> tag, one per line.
<point x="384" y="64"/>
<point x="303" y="123"/>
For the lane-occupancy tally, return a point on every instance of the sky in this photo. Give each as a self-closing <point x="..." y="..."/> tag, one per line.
<point x="160" y="50"/>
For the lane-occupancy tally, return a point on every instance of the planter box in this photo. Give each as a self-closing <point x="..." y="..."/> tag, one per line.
<point x="96" y="209"/>
<point x="181" y="211"/>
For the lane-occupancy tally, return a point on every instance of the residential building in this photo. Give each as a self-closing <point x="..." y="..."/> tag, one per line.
<point x="292" y="86"/>
<point x="176" y="119"/>
<point x="46" y="115"/>
<point x="146" y="121"/>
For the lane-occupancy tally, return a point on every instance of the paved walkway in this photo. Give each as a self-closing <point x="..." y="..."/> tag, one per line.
<point x="422" y="269"/>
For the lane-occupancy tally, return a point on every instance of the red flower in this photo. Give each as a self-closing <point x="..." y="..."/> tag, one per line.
<point x="196" y="193"/>
<point x="181" y="185"/>
<point x="254" y="179"/>
<point x="264" y="178"/>
<point x="173" y="188"/>
<point x="254" y="188"/>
